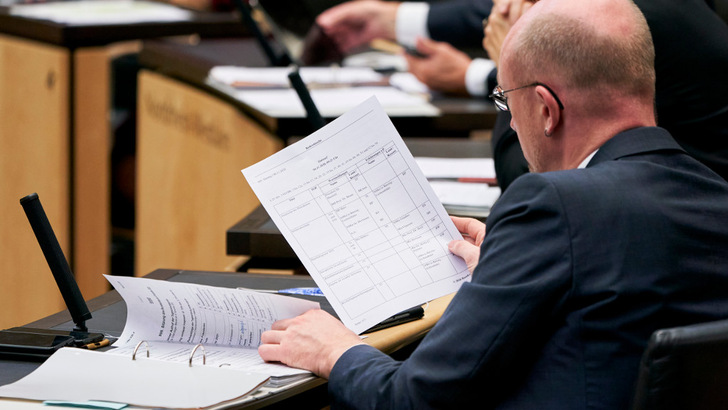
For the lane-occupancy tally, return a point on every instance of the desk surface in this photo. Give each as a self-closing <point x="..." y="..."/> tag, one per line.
<point x="191" y="63"/>
<point x="209" y="24"/>
<point x="109" y="316"/>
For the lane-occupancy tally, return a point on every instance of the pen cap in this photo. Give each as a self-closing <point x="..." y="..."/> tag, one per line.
<point x="56" y="260"/>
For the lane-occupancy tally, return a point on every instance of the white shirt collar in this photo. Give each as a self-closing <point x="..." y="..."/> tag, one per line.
<point x="587" y="159"/>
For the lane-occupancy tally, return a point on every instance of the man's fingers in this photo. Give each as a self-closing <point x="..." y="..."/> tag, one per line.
<point x="271" y="336"/>
<point x="336" y="15"/>
<point x="471" y="227"/>
<point x="281" y="324"/>
<point x="460" y="248"/>
<point x="426" y="46"/>
<point x="469" y="252"/>
<point x="270" y="352"/>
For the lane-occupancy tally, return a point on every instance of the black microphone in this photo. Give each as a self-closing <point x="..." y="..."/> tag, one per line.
<point x="246" y="16"/>
<point x="312" y="113"/>
<point x="56" y="261"/>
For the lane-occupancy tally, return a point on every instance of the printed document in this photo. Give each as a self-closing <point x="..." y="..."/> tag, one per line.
<point x="173" y="317"/>
<point x="166" y="321"/>
<point x="79" y="376"/>
<point x="356" y="209"/>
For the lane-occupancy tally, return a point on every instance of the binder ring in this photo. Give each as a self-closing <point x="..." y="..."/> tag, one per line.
<point x="194" y="349"/>
<point x="133" y="355"/>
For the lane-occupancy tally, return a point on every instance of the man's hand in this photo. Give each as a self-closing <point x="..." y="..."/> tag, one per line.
<point x="473" y="232"/>
<point x="313" y="341"/>
<point x="443" y="68"/>
<point x="356" y="23"/>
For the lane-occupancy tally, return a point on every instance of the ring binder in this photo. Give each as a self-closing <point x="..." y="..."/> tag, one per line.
<point x="194" y="349"/>
<point x="192" y="353"/>
<point x="133" y="355"/>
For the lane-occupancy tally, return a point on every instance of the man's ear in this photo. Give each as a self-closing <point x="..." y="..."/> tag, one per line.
<point x="550" y="110"/>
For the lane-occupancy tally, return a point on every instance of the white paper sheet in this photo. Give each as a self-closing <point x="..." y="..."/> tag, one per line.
<point x="466" y="193"/>
<point x="409" y="83"/>
<point x="456" y="167"/>
<point x="378" y="60"/>
<point x="81" y="375"/>
<point x="172" y="317"/>
<point x="333" y="90"/>
<point x="278" y="76"/>
<point x="98" y="12"/>
<point x="362" y="218"/>
<point x="332" y="102"/>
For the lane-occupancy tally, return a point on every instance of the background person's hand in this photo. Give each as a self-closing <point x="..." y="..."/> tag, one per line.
<point x="356" y="23"/>
<point x="502" y="17"/>
<point x="495" y="33"/>
<point x="512" y="10"/>
<point x="442" y="68"/>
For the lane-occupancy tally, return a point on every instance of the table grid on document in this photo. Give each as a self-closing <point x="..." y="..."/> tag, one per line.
<point x="387" y="250"/>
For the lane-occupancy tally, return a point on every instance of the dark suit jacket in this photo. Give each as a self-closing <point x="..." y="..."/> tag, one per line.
<point x="578" y="268"/>
<point x="691" y="62"/>
<point x="458" y="22"/>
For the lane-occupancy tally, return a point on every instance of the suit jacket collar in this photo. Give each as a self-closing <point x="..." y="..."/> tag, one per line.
<point x="635" y="141"/>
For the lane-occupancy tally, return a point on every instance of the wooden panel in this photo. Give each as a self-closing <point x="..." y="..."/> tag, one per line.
<point x="92" y="166"/>
<point x="34" y="151"/>
<point x="190" y="150"/>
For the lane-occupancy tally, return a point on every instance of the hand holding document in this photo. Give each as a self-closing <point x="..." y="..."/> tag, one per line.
<point x="356" y="209"/>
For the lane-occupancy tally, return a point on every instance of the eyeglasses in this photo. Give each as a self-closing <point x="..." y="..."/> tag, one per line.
<point x="501" y="101"/>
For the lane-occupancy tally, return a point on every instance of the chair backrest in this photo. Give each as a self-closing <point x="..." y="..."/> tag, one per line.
<point x="685" y="368"/>
<point x="721" y="7"/>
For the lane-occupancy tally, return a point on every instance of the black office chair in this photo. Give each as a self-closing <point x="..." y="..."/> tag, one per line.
<point x="685" y="368"/>
<point x="721" y="7"/>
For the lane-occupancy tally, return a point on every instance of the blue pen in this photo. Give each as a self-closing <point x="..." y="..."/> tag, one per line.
<point x="291" y="291"/>
<point x="302" y="291"/>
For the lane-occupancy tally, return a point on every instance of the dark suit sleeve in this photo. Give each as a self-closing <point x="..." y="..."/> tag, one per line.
<point x="494" y="328"/>
<point x="459" y="22"/>
<point x="507" y="153"/>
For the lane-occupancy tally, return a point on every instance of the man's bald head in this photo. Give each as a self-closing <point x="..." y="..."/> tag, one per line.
<point x="584" y="45"/>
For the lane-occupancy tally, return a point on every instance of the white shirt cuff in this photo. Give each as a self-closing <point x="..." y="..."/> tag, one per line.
<point x="477" y="75"/>
<point x="411" y="22"/>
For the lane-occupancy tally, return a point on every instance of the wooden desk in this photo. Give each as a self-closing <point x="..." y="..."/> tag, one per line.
<point x="193" y="140"/>
<point x="55" y="140"/>
<point x="110" y="312"/>
<point x="191" y="64"/>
